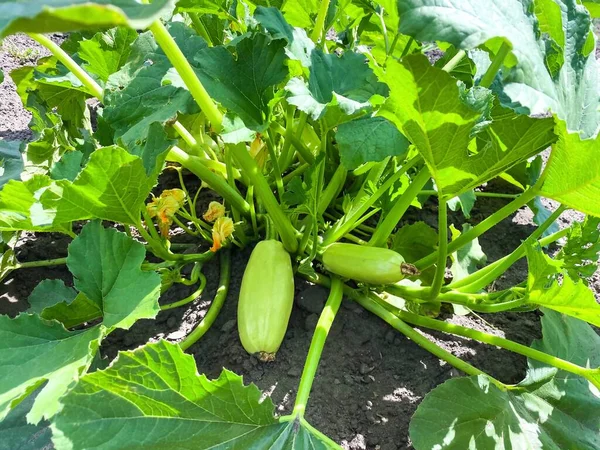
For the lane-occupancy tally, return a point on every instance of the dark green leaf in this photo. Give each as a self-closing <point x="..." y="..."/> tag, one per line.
<point x="369" y="139"/>
<point x="17" y="434"/>
<point x="581" y="251"/>
<point x="11" y="161"/>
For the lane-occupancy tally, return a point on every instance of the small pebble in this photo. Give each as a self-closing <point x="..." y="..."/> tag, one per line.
<point x="390" y="336"/>
<point x="310" y="323"/>
<point x="364" y="369"/>
<point x="336" y="381"/>
<point x="171" y="321"/>
<point x="293" y="372"/>
<point x="228" y="326"/>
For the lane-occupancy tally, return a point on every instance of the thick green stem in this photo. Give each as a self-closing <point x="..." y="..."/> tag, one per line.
<point x="330" y="193"/>
<point x="488" y="78"/>
<point x="440" y="271"/>
<point x="285" y="157"/>
<point x="483" y="277"/>
<point x="190" y="298"/>
<point x="385" y="228"/>
<point x="216" y="182"/>
<point x="482" y="227"/>
<point x="70" y="64"/>
<point x="261" y="186"/>
<point x="215" y="306"/>
<point x="346" y="223"/>
<point x="450" y="65"/>
<point x="200" y="28"/>
<point x="320" y="23"/>
<point x="498" y="342"/>
<point x="276" y="170"/>
<point x="317" y="344"/>
<point x="185" y="70"/>
<point x="300" y="147"/>
<point x="41" y="263"/>
<point x="477" y="194"/>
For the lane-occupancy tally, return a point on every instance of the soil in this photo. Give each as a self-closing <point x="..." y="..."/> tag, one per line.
<point x="371" y="378"/>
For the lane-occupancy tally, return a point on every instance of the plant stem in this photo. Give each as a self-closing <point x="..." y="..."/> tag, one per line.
<point x="317" y="344"/>
<point x="275" y="165"/>
<point x="346" y="223"/>
<point x="482" y="227"/>
<point x="187" y="137"/>
<point x="440" y="271"/>
<point x="70" y="64"/>
<point x="477" y="194"/>
<point x="300" y="147"/>
<point x="261" y="186"/>
<point x="406" y="48"/>
<point x="335" y="185"/>
<point x="481" y="278"/>
<point x="200" y="28"/>
<point x="215" y="306"/>
<point x="285" y="157"/>
<point x="190" y="298"/>
<point x="185" y="70"/>
<point x="450" y="65"/>
<point x="41" y="263"/>
<point x="385" y="228"/>
<point x="488" y="78"/>
<point x="320" y="23"/>
<point x="496" y="341"/>
<point x="216" y="182"/>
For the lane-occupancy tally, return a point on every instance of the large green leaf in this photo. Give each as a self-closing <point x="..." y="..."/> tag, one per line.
<point x="153" y="397"/>
<point x="551" y="412"/>
<point x="581" y="252"/>
<point x="244" y="84"/>
<point x="571" y="296"/>
<point x="11" y="161"/>
<point x="33" y="351"/>
<point x="137" y="96"/>
<point x="106" y="52"/>
<point x="106" y="265"/>
<point x="52" y="300"/>
<point x="426" y="105"/>
<point x="554" y="71"/>
<point x="68" y="15"/>
<point x="17" y="434"/>
<point x="572" y="176"/>
<point x="113" y="186"/>
<point x="369" y="139"/>
<point x="345" y="81"/>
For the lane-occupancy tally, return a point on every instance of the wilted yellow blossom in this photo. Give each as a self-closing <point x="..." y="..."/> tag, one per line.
<point x="164" y="208"/>
<point x="214" y="211"/>
<point x="222" y="229"/>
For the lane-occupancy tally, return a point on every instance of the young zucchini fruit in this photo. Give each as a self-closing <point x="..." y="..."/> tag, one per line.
<point x="266" y="299"/>
<point x="373" y="265"/>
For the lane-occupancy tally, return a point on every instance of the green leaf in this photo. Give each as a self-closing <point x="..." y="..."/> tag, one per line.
<point x="106" y="52"/>
<point x="8" y="260"/>
<point x="33" y="351"/>
<point x="11" y="161"/>
<point x="581" y="252"/>
<point x="154" y="397"/>
<point x="17" y="434"/>
<point x="468" y="258"/>
<point x="369" y="139"/>
<point x="69" y="15"/>
<point x="245" y="84"/>
<point x="464" y="201"/>
<point x="539" y="81"/>
<point x="20" y="208"/>
<point x="113" y="186"/>
<point x="593" y="7"/>
<point x="48" y="293"/>
<point x="52" y="300"/>
<point x="573" y="172"/>
<point x="555" y="414"/>
<point x="415" y="241"/>
<point x="106" y="265"/>
<point x="345" y="81"/>
<point x="138" y="95"/>
<point x="540" y="214"/>
<point x="426" y="106"/>
<point x="68" y="167"/>
<point x="572" y="297"/>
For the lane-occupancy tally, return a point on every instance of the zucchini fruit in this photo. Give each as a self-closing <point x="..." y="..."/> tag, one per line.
<point x="372" y="265"/>
<point x="266" y="299"/>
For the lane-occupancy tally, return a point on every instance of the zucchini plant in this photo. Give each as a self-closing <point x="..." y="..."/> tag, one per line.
<point x="318" y="125"/>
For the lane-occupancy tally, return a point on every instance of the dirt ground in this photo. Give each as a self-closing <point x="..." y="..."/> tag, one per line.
<point x="371" y="378"/>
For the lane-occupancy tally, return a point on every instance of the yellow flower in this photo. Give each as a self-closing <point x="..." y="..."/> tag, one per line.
<point x="165" y="207"/>
<point x="214" y="211"/>
<point x="222" y="229"/>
